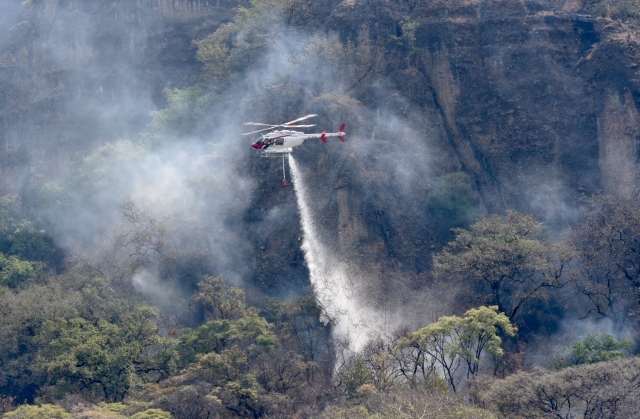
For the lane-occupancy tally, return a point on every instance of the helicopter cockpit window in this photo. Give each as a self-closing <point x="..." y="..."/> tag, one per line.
<point x="259" y="141"/>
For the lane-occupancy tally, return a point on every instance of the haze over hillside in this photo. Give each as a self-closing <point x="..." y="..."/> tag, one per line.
<point x="491" y="159"/>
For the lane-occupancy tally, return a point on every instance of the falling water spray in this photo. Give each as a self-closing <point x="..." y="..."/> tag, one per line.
<point x="336" y="292"/>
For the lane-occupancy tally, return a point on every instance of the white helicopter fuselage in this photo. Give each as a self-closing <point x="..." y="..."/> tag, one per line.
<point x="284" y="141"/>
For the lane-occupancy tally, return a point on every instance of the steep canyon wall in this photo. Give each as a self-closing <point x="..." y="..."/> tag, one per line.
<point x="535" y="101"/>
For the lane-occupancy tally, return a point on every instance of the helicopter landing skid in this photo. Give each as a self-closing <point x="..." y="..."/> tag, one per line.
<point x="274" y="155"/>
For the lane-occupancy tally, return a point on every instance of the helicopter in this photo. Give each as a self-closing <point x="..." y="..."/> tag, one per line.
<point x="284" y="140"/>
<point x="281" y="142"/>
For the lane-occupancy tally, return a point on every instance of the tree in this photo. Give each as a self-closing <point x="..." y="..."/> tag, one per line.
<point x="453" y="341"/>
<point x="45" y="411"/>
<point x="234" y="46"/>
<point x="301" y="332"/>
<point x="402" y="402"/>
<point x="220" y="301"/>
<point x="101" y="360"/>
<point x="607" y="245"/>
<point x="390" y="367"/>
<point x="24" y="311"/>
<point x="225" y="375"/>
<point x="152" y="414"/>
<point x="354" y="375"/>
<point x="504" y="260"/>
<point x="602" y="390"/>
<point x="228" y="360"/>
<point x="28" y="242"/>
<point x="182" y="113"/>
<point x="597" y="347"/>
<point x="218" y="335"/>
<point x="173" y="246"/>
<point x="25" y="250"/>
<point x="280" y="371"/>
<point x="454" y="200"/>
<point x="101" y="411"/>
<point x="14" y="271"/>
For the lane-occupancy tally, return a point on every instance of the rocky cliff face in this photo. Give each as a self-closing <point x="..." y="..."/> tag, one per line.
<point x="536" y="101"/>
<point x="518" y="92"/>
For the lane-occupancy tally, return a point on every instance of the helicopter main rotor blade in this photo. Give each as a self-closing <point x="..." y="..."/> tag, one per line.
<point x="253" y="132"/>
<point x="299" y="126"/>
<point x="300" y="119"/>
<point x="259" y="124"/>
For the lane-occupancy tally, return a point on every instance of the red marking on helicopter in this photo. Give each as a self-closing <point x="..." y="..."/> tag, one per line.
<point x="282" y="141"/>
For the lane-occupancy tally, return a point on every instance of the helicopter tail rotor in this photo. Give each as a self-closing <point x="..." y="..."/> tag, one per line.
<point x="341" y="131"/>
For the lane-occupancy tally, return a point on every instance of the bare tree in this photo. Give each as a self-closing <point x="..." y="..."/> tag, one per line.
<point x="603" y="390"/>
<point x="607" y="245"/>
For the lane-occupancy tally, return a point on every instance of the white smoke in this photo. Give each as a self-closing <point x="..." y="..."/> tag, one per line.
<point x="157" y="291"/>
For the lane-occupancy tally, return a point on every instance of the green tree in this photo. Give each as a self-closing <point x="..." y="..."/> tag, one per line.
<point x="152" y="414"/>
<point x="45" y="411"/>
<point x="100" y="411"/>
<point x="14" y="271"/>
<point x="185" y="109"/>
<point x="355" y="374"/>
<point x="390" y="367"/>
<point x="8" y="219"/>
<point x="232" y="323"/>
<point x="234" y="46"/>
<point x="77" y="293"/>
<point x="597" y="347"/>
<point x="455" y="201"/>
<point x="480" y="330"/>
<point x="224" y="367"/>
<point x="101" y="360"/>
<point x="218" y="335"/>
<point x="22" y="243"/>
<point x="227" y="361"/>
<point x="503" y="261"/>
<point x="219" y="300"/>
<point x="408" y="364"/>
<point x="28" y="242"/>
<point x="454" y="341"/>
